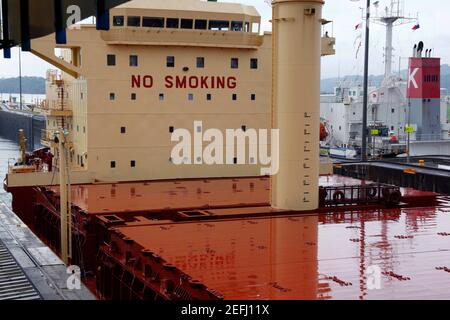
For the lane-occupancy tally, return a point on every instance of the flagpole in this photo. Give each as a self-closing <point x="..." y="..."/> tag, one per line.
<point x="366" y="86"/>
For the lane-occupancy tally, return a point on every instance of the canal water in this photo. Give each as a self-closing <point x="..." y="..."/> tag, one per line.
<point x="8" y="151"/>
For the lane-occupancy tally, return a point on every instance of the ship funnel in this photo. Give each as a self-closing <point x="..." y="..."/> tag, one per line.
<point x="296" y="104"/>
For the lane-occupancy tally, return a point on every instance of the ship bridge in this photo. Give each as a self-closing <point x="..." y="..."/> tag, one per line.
<point x="187" y="23"/>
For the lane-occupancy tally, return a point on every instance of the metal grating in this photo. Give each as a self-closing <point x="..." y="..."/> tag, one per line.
<point x="14" y="285"/>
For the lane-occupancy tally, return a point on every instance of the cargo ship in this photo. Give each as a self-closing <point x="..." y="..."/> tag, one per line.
<point x="108" y="195"/>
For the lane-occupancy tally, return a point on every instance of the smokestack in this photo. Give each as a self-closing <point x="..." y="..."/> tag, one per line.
<point x="296" y="102"/>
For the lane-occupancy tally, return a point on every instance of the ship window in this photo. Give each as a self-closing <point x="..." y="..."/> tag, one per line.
<point x="200" y="62"/>
<point x="112" y="96"/>
<point x="255" y="27"/>
<point x="111" y="59"/>
<point x="173" y="23"/>
<point x="161" y="97"/>
<point x="118" y="21"/>
<point x="187" y="23"/>
<point x="84" y="129"/>
<point x="152" y="22"/>
<point x="171" y="61"/>
<point x="247" y="27"/>
<point x="254" y="63"/>
<point x="219" y="25"/>
<point x="113" y="164"/>
<point x="171" y="129"/>
<point x="253" y="97"/>
<point x="123" y="130"/>
<point x="234" y="63"/>
<point x="133" y="164"/>
<point x="201" y="24"/>
<point x="209" y="97"/>
<point x="392" y="110"/>
<point x="237" y="25"/>
<point x="133" y="96"/>
<point x="234" y="96"/>
<point x="190" y="96"/>
<point x="244" y="128"/>
<point x="134" y="21"/>
<point x="235" y="160"/>
<point x="133" y="61"/>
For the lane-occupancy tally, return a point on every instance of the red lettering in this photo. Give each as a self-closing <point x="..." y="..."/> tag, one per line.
<point x="193" y="82"/>
<point x="169" y="82"/>
<point x="181" y="82"/>
<point x="232" y="83"/>
<point x="135" y="81"/>
<point x="204" y="82"/>
<point x="220" y="82"/>
<point x="148" y="81"/>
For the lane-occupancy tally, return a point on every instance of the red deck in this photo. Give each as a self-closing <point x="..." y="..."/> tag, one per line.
<point x="307" y="257"/>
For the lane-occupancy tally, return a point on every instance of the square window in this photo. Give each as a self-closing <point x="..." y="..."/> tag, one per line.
<point x="237" y="25"/>
<point x="113" y="164"/>
<point x="201" y="24"/>
<point x="118" y="21"/>
<point x="253" y="97"/>
<point x="111" y="59"/>
<point x="134" y="21"/>
<point x="153" y="22"/>
<point x="161" y="97"/>
<point x="173" y="23"/>
<point x="209" y="97"/>
<point x="133" y="96"/>
<point x="123" y="130"/>
<point x="254" y="63"/>
<point x="200" y="62"/>
<point x="190" y="96"/>
<point x="234" y="97"/>
<point x="170" y="61"/>
<point x="133" y="164"/>
<point x="187" y="23"/>
<point x="112" y="96"/>
<point x="234" y="63"/>
<point x="171" y="129"/>
<point x="133" y="61"/>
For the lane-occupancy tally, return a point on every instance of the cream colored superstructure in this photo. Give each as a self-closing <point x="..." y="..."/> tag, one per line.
<point x="120" y="131"/>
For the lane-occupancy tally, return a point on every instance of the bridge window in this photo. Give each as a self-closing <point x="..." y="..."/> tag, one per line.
<point x="201" y="24"/>
<point x="172" y="23"/>
<point x="200" y="62"/>
<point x="237" y="25"/>
<point x="118" y="21"/>
<point x="134" y="21"/>
<point x="219" y="25"/>
<point x="171" y="62"/>
<point x="153" y="22"/>
<point x="187" y="23"/>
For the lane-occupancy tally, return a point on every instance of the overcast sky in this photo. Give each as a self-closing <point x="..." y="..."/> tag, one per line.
<point x="433" y="17"/>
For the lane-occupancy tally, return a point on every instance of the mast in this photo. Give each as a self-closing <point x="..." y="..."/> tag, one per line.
<point x="366" y="86"/>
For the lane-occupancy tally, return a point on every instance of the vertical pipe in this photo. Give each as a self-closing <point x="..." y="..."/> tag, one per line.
<point x="388" y="50"/>
<point x="366" y="86"/>
<point x="296" y="102"/>
<point x="63" y="198"/>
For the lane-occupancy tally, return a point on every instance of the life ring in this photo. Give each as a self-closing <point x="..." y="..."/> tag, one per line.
<point x="372" y="192"/>
<point x="338" y="196"/>
<point x="395" y="197"/>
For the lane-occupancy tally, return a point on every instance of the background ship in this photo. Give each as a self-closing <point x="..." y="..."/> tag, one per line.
<point x="396" y="118"/>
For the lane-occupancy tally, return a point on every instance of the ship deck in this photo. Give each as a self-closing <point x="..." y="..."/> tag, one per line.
<point x="196" y="194"/>
<point x="308" y="257"/>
